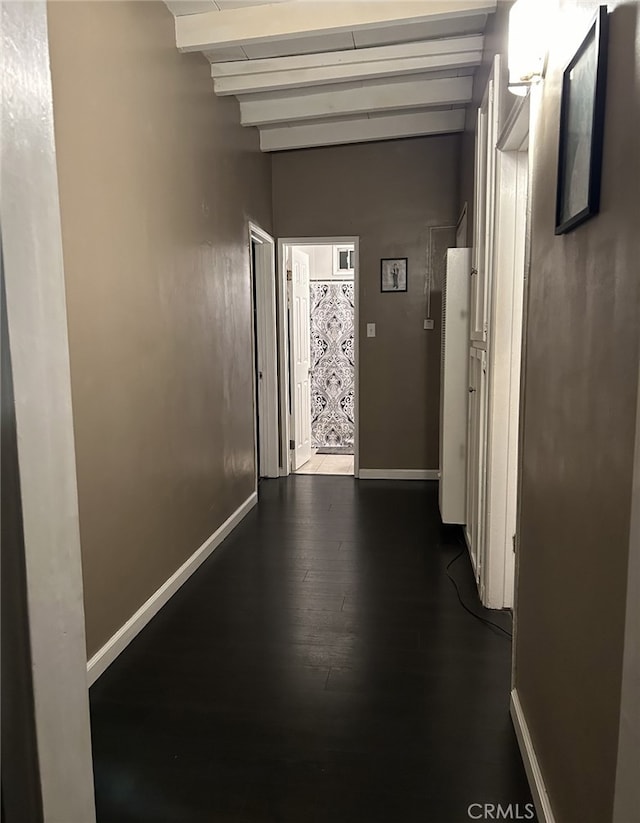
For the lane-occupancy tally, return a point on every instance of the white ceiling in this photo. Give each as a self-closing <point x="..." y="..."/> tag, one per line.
<point x="325" y="72"/>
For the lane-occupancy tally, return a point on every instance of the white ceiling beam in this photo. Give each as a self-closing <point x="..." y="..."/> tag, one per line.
<point x="305" y="78"/>
<point x="361" y="130"/>
<point x="281" y="79"/>
<point x="335" y="101"/>
<point x="427" y="30"/>
<point x="424" y="48"/>
<point x="282" y="21"/>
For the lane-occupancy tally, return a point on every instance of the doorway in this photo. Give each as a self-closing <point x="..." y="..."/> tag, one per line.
<point x="319" y="349"/>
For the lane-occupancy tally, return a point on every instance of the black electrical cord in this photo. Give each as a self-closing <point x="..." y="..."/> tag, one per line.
<point x="489" y="623"/>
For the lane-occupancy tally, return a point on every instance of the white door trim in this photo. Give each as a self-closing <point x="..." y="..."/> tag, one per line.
<point x="504" y="357"/>
<point x="37" y="327"/>
<point x="283" y="339"/>
<point x="266" y="353"/>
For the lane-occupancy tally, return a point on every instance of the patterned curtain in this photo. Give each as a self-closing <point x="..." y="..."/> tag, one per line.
<point x="332" y="366"/>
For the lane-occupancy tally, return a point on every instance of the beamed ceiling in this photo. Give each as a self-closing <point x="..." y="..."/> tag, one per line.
<point x="324" y="72"/>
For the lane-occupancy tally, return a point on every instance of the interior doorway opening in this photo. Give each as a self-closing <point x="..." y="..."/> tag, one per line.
<point x="320" y="293"/>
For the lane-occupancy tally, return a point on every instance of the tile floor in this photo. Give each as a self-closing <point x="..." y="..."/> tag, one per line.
<point x="328" y="464"/>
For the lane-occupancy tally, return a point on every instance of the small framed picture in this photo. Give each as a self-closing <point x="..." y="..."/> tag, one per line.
<point x="582" y="129"/>
<point x="394" y="273"/>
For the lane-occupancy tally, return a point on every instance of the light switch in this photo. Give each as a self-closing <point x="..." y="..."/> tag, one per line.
<point x="371" y="329"/>
<point x="428" y="324"/>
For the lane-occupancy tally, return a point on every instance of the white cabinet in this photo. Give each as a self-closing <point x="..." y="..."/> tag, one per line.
<point x="454" y="386"/>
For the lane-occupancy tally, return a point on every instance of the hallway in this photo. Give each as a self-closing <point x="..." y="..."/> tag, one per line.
<point x="318" y="667"/>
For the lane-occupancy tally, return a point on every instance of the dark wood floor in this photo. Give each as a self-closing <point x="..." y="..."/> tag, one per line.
<point x="318" y="668"/>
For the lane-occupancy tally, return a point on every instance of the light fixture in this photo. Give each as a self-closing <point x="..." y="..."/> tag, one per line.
<point x="528" y="43"/>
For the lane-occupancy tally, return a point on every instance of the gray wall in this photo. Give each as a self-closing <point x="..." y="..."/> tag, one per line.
<point x="579" y="417"/>
<point x="581" y="377"/>
<point x="388" y="194"/>
<point x="157" y="182"/>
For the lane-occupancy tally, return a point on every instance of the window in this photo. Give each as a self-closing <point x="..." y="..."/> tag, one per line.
<point x="343" y="259"/>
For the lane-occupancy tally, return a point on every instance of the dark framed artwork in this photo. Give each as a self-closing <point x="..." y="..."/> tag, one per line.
<point x="394" y="274"/>
<point x="582" y="111"/>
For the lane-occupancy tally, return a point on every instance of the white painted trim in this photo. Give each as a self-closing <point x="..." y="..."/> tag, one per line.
<point x="39" y="351"/>
<point x="259" y="234"/>
<point x="360" y="129"/>
<point x="516" y="128"/>
<point x="214" y="30"/>
<point x="356" y="354"/>
<point x="105" y="656"/>
<point x="351" y="57"/>
<point x="399" y="474"/>
<point x="530" y="760"/>
<point x="266" y="352"/>
<point x="337" y="240"/>
<point x="283" y="338"/>
<point x="283" y="358"/>
<point x="343" y="99"/>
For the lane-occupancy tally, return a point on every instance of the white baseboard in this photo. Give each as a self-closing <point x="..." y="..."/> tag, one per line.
<point x="398" y="474"/>
<point x="121" y="639"/>
<point x="531" y="765"/>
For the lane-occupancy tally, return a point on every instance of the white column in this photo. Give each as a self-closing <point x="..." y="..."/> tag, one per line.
<point x="37" y="324"/>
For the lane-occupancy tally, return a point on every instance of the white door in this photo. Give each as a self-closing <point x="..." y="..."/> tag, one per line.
<point x="300" y="360"/>
<point x="481" y="322"/>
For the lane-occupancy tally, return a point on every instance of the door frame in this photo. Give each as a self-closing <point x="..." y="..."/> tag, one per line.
<point x="265" y="352"/>
<point x="505" y="343"/>
<point x="485" y="194"/>
<point x="475" y="504"/>
<point x="283" y="342"/>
